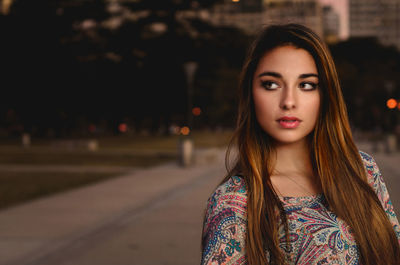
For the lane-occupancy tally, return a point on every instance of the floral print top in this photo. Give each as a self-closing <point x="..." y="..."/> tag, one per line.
<point x="317" y="235"/>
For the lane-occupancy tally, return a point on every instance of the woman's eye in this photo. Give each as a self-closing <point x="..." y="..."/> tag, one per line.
<point x="308" y="86"/>
<point x="270" y="85"/>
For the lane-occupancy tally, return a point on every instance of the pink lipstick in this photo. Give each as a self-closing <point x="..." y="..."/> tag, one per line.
<point x="289" y="122"/>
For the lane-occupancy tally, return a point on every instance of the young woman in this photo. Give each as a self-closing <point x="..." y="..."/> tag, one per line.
<point x="300" y="192"/>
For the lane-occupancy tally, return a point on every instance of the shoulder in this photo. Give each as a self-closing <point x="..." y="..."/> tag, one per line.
<point x="234" y="185"/>
<point x="225" y="221"/>
<point x="374" y="176"/>
<point x="367" y="159"/>
<point x="231" y="194"/>
<point x="375" y="179"/>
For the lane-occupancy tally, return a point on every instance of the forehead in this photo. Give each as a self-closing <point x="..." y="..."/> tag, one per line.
<point x="287" y="60"/>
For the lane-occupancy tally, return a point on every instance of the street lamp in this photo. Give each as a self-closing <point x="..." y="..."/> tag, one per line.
<point x="391" y="139"/>
<point x="186" y="142"/>
<point x="190" y="68"/>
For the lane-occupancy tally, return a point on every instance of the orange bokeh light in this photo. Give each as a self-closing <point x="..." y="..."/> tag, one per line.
<point x="196" y="111"/>
<point x="398" y="106"/>
<point x="123" y="127"/>
<point x="185" y="130"/>
<point x="391" y="103"/>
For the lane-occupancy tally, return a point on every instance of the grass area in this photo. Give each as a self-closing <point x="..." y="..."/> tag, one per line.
<point x="18" y="187"/>
<point x="84" y="158"/>
<point x="130" y="151"/>
<point x="135" y="151"/>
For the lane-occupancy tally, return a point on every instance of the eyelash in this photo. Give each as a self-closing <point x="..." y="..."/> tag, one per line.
<point x="267" y="84"/>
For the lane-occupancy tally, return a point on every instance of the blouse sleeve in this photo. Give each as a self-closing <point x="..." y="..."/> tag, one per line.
<point x="224" y="225"/>
<point x="376" y="181"/>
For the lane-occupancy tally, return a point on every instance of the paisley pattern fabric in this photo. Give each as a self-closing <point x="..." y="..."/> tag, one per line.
<point x="317" y="236"/>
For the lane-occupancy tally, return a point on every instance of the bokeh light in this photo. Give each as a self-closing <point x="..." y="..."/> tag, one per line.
<point x="196" y="111"/>
<point x="391" y="103"/>
<point x="123" y="127"/>
<point x="173" y="129"/>
<point x="185" y="130"/>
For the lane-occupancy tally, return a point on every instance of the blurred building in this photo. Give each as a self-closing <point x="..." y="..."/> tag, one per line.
<point x="380" y="19"/>
<point x="4" y="6"/>
<point x="251" y="15"/>
<point x="251" y="5"/>
<point x="331" y="24"/>
<point x="247" y="17"/>
<point x="306" y="12"/>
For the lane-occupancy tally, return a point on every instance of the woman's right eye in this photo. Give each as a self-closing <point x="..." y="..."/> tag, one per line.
<point x="269" y="85"/>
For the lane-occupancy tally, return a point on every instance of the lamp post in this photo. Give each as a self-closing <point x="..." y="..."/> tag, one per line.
<point x="391" y="140"/>
<point x="190" y="68"/>
<point x="186" y="142"/>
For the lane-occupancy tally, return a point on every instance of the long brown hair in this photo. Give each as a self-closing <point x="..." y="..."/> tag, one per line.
<point x="335" y="160"/>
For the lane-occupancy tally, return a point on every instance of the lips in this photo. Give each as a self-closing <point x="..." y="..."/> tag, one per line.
<point x="289" y="122"/>
<point x="287" y="118"/>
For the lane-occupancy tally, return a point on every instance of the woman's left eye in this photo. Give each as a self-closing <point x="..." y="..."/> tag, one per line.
<point x="308" y="85"/>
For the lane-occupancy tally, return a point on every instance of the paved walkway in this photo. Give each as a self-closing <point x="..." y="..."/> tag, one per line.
<point x="147" y="216"/>
<point x="65" y="168"/>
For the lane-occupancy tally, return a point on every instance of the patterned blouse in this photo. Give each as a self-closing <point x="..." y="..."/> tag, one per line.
<point x="317" y="235"/>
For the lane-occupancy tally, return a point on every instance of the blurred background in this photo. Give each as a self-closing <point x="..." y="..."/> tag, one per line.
<point x="105" y="91"/>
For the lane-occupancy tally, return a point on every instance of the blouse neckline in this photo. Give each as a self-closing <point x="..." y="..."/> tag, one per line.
<point x="301" y="200"/>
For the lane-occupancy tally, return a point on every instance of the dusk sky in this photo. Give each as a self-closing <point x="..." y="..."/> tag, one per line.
<point x="341" y="6"/>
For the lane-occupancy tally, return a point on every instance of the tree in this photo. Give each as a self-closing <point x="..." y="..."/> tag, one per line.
<point x="66" y="66"/>
<point x="367" y="70"/>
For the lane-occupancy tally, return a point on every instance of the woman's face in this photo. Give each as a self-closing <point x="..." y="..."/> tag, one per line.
<point x="286" y="94"/>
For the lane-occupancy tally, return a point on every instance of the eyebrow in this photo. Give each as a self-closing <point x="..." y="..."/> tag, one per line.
<point x="278" y="75"/>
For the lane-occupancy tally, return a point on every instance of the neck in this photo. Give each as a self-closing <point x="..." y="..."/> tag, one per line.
<point x="293" y="158"/>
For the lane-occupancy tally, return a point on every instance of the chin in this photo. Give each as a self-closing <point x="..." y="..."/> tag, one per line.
<point x="287" y="141"/>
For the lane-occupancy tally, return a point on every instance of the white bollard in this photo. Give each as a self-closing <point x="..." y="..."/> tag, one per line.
<point x="26" y="140"/>
<point x="186" y="152"/>
<point x="391" y="143"/>
<point x="93" y="145"/>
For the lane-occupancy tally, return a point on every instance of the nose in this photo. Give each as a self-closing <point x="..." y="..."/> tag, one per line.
<point x="288" y="99"/>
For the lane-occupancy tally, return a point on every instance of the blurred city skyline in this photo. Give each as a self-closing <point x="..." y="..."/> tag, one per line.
<point x="341" y="7"/>
<point x="345" y="10"/>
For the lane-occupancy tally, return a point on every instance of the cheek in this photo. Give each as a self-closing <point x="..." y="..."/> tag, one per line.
<point x="264" y="115"/>
<point x="263" y="106"/>
<point x="314" y="106"/>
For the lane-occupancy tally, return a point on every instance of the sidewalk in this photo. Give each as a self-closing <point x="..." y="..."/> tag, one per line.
<point x="65" y="168"/>
<point x="149" y="216"/>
